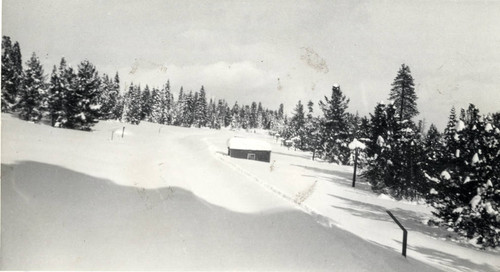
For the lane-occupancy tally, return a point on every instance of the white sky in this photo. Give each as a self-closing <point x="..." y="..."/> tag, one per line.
<point x="239" y="49"/>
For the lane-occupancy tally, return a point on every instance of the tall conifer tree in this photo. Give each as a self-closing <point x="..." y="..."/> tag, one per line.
<point x="403" y="94"/>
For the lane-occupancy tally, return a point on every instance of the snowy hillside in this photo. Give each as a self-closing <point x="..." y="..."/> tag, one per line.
<point x="170" y="198"/>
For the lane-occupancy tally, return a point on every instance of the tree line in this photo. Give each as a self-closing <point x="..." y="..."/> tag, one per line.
<point x="456" y="171"/>
<point x="79" y="98"/>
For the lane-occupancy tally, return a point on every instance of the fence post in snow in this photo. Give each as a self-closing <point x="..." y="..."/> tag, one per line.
<point x="123" y="131"/>
<point x="355" y="167"/>
<point x="405" y="232"/>
<point x="112" y="133"/>
<point x="356" y="146"/>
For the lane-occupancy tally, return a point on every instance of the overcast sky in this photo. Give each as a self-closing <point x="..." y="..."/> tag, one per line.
<point x="278" y="52"/>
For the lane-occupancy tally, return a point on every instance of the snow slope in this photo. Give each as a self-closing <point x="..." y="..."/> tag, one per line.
<point x="325" y="190"/>
<point x="159" y="198"/>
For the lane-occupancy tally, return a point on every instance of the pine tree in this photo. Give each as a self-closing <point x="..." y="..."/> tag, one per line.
<point x="235" y="116"/>
<point x="12" y="73"/>
<point x="194" y="110"/>
<point x="68" y="85"/>
<point x="260" y="116"/>
<point x="228" y="115"/>
<point x="168" y="104"/>
<point x="188" y="109"/>
<point x="133" y="106"/>
<point x="433" y="149"/>
<point x="85" y="106"/>
<point x="496" y="119"/>
<point x="252" y="118"/>
<point x="158" y="102"/>
<point x="117" y="110"/>
<point x="221" y="114"/>
<point x="32" y="103"/>
<point x="200" y="109"/>
<point x="312" y="129"/>
<point x="110" y="96"/>
<point x="403" y="94"/>
<point x="379" y="148"/>
<point x="395" y="153"/>
<point x="56" y="96"/>
<point x="334" y="129"/>
<point x="297" y="124"/>
<point x="179" y="119"/>
<point x="465" y="188"/>
<point x="146" y="104"/>
<point x="452" y="122"/>
<point x="211" y="114"/>
<point x="281" y="112"/>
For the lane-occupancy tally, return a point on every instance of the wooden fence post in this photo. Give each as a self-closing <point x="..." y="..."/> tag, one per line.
<point x="405" y="232"/>
<point x="355" y="166"/>
<point x="123" y="131"/>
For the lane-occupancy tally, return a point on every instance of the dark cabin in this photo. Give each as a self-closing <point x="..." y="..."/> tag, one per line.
<point x="250" y="149"/>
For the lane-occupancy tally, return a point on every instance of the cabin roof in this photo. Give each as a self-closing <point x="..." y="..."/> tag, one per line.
<point x="248" y="144"/>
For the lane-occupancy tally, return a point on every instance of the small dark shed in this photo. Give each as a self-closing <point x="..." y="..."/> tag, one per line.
<point x="251" y="149"/>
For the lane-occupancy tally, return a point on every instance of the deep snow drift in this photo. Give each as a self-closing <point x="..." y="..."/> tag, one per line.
<point x="167" y="198"/>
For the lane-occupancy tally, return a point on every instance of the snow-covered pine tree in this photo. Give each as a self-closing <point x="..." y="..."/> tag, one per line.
<point x="311" y="126"/>
<point x="281" y="112"/>
<point x="334" y="129"/>
<point x="220" y="112"/>
<point x="433" y="150"/>
<point x="228" y="116"/>
<point x="495" y="117"/>
<point x="235" y="116"/>
<point x="297" y="124"/>
<point x="403" y="94"/>
<point x="178" y="114"/>
<point x="133" y="105"/>
<point x="260" y="116"/>
<point x="146" y="104"/>
<point x="110" y="96"/>
<point x="117" y="110"/>
<point x="32" y="99"/>
<point x="245" y="117"/>
<point x="56" y="96"/>
<point x="194" y="109"/>
<point x="188" y="109"/>
<point x="168" y="104"/>
<point x="252" y="118"/>
<point x="12" y="73"/>
<point x="68" y="85"/>
<point x="407" y="152"/>
<point x="212" y="114"/>
<point x="465" y="193"/>
<point x="395" y="153"/>
<point x="383" y="127"/>
<point x="9" y="89"/>
<point x="452" y="122"/>
<point x="157" y="103"/>
<point x="200" y="109"/>
<point x="267" y="115"/>
<point x="85" y="98"/>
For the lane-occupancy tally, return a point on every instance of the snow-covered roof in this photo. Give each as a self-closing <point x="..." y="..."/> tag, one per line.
<point x="248" y="144"/>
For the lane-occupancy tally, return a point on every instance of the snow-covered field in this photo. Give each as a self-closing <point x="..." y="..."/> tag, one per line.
<point x="170" y="198"/>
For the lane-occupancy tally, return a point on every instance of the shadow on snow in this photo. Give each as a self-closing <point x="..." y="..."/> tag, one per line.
<point x="55" y="218"/>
